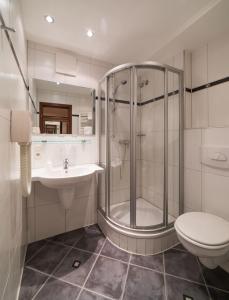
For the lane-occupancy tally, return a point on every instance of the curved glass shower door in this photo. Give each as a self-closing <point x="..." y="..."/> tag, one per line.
<point x="150" y="147"/>
<point x="119" y="91"/>
<point x="141" y="146"/>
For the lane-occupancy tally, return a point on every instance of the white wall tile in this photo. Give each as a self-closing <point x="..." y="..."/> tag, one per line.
<point x="173" y="147"/>
<point x="31" y="224"/>
<point x="188" y="110"/>
<point x="41" y="65"/>
<point x="215" y="195"/>
<point x="192" y="149"/>
<point x="179" y="60"/>
<point x="215" y="137"/>
<point x="188" y="69"/>
<point x="218" y="63"/>
<point x="12" y="206"/>
<point x="219" y="105"/>
<point x="192" y="189"/>
<point x="199" y="67"/>
<point x="200" y="109"/>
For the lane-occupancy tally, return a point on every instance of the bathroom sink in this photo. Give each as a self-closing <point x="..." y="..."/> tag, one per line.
<point x="65" y="181"/>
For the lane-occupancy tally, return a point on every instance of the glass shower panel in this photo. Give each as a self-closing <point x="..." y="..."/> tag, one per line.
<point x="119" y="136"/>
<point x="102" y="146"/>
<point x="150" y="147"/>
<point x="173" y="146"/>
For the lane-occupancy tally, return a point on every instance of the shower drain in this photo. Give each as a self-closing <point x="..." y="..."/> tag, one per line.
<point x="76" y="264"/>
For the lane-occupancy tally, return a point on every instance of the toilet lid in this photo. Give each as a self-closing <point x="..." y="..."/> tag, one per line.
<point x="204" y="228"/>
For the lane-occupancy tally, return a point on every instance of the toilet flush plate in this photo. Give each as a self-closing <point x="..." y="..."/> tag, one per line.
<point x="215" y="156"/>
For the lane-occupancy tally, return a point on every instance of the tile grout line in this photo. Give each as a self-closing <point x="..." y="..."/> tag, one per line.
<point x="36" y="270"/>
<point x="146" y="268"/>
<point x="218" y="289"/>
<point x="163" y="255"/>
<point x="54" y="277"/>
<point x="116" y="259"/>
<point x="86" y="251"/>
<point x="127" y="272"/>
<point x="36" y="252"/>
<point x="96" y="293"/>
<point x="185" y="279"/>
<point x="83" y="285"/>
<point x="73" y="247"/>
<point x="50" y="275"/>
<point x="202" y="274"/>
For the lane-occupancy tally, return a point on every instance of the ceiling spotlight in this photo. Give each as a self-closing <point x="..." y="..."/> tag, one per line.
<point x="90" y="33"/>
<point x="58" y="83"/>
<point x="49" y="19"/>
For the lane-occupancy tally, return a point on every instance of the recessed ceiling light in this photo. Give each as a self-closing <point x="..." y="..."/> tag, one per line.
<point x="58" y="83"/>
<point x="49" y="19"/>
<point x="90" y="33"/>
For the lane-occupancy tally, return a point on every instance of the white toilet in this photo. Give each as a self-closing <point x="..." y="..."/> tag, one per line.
<point x="206" y="236"/>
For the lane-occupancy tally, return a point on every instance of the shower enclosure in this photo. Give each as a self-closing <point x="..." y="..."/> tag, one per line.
<point x="141" y="148"/>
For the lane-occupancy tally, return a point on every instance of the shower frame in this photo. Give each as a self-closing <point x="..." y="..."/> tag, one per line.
<point x="133" y="229"/>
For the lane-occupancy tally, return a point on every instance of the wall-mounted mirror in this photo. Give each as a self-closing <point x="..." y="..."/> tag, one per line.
<point x="63" y="108"/>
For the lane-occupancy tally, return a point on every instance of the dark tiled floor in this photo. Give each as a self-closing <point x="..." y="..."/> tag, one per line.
<point x="76" y="276"/>
<point x="33" y="248"/>
<point x="177" y="287"/>
<point x="154" y="262"/>
<point x="47" y="259"/>
<point x="60" y="289"/>
<point x="144" y="284"/>
<point x="107" y="272"/>
<point x="183" y="264"/>
<point x="31" y="283"/>
<point x="108" y="277"/>
<point x="70" y="238"/>
<point x="110" y="251"/>
<point x="92" y="241"/>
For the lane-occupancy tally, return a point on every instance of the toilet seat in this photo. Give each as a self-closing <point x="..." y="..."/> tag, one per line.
<point x="203" y="229"/>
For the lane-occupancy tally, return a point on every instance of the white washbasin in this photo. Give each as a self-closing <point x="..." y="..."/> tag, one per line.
<point x="65" y="181"/>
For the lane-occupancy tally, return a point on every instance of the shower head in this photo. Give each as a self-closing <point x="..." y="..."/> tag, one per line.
<point x="123" y="82"/>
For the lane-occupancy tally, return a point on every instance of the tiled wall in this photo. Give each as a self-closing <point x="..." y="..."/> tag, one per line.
<point x="43" y="204"/>
<point x="42" y="65"/>
<point x="12" y="205"/>
<point x="152" y="143"/>
<point x="206" y="188"/>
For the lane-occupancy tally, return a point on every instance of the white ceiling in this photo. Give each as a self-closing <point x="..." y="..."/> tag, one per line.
<point x="125" y="30"/>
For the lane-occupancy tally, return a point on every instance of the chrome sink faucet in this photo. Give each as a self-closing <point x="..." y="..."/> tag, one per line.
<point x="66" y="165"/>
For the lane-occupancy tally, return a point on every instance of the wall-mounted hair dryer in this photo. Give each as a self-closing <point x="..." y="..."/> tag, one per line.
<point x="21" y="133"/>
